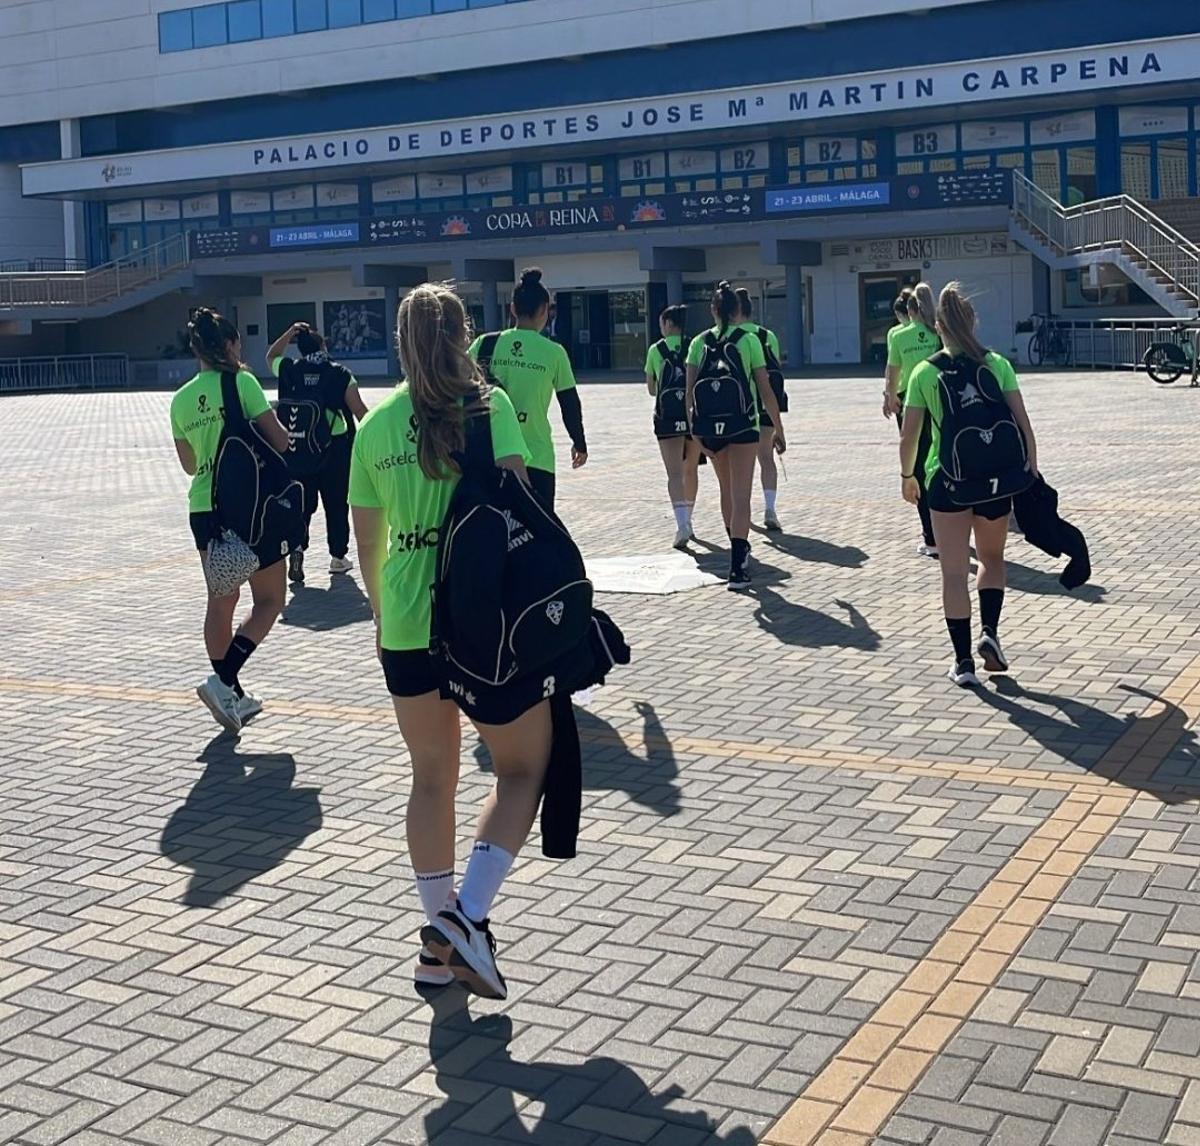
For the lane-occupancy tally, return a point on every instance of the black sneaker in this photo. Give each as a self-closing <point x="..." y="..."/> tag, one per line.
<point x="739" y="581"/>
<point x="991" y="653"/>
<point x="296" y="567"/>
<point x="470" y="950"/>
<point x="963" y="674"/>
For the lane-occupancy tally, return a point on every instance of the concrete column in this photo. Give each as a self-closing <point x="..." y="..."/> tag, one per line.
<point x="74" y="232"/>
<point x="391" y="305"/>
<point x="674" y="287"/>
<point x="794" y="340"/>
<point x="491" y="305"/>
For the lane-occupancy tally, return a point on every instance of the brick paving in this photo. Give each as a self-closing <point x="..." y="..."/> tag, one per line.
<point x="820" y="896"/>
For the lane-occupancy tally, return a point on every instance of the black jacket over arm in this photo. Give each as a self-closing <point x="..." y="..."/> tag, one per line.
<point x="1037" y="515"/>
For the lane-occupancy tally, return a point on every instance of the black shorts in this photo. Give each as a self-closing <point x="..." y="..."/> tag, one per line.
<point x="543" y="483"/>
<point x="201" y="524"/>
<point x="409" y="673"/>
<point x="939" y="502"/>
<point x="765" y="421"/>
<point x="716" y="445"/>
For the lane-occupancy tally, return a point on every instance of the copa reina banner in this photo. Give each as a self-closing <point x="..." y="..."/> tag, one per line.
<point x="981" y="81"/>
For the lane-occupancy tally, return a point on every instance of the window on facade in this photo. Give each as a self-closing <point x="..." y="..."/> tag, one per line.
<point x="278" y="18"/>
<point x="1135" y="170"/>
<point x="311" y="15"/>
<point x="208" y="26"/>
<point x="175" y="31"/>
<point x="826" y="159"/>
<point x="1172" y="169"/>
<point x="245" y="21"/>
<point x="345" y="13"/>
<point x="1081" y="175"/>
<point x="1047" y="172"/>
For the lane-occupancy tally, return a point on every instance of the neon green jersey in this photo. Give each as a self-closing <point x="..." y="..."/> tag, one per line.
<point x="654" y="358"/>
<point x="198" y="417"/>
<point x="531" y="369"/>
<point x="923" y="394"/>
<point x="772" y="338"/>
<point x="385" y="474"/>
<point x="908" y="348"/>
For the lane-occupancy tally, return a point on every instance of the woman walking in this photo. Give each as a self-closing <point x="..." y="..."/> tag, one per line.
<point x="530" y="368"/>
<point x="197" y="421"/>
<point x="982" y="451"/>
<point x="402" y="477"/>
<point x="666" y="379"/>
<point x="768" y="470"/>
<point x="908" y="346"/>
<point x="727" y="347"/>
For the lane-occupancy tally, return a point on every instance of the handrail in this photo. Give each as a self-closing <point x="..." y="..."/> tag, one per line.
<point x="1117" y="223"/>
<point x="64" y="372"/>
<point x="100" y="284"/>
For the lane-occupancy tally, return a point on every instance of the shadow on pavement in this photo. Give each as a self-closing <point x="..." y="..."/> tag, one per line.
<point x="241" y="819"/>
<point x="1087" y="732"/>
<point x="799" y="625"/>
<point x="815" y="550"/>
<point x="1025" y="579"/>
<point x="323" y="610"/>
<point x="610" y="765"/>
<point x="577" y="1102"/>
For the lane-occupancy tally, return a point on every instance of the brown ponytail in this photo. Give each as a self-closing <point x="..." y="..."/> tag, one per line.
<point x="432" y="334"/>
<point x="956" y="318"/>
<point x="211" y="337"/>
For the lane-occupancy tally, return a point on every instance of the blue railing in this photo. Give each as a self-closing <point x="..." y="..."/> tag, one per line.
<point x="241" y="21"/>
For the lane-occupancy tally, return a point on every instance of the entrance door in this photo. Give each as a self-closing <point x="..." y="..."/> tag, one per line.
<point x="589" y="328"/>
<point x="877" y="292"/>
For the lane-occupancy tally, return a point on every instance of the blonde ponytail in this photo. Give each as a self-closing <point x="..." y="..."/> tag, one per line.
<point x="956" y="317"/>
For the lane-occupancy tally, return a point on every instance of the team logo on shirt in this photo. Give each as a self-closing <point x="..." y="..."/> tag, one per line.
<point x="413" y="427"/>
<point x="516" y="349"/>
<point x="203" y="400"/>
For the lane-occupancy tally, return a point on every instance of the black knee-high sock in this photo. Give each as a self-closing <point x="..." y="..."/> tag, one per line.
<point x="960" y="637"/>
<point x="991" y="603"/>
<point x="239" y="652"/>
<point x="741" y="550"/>
<point x="236" y="686"/>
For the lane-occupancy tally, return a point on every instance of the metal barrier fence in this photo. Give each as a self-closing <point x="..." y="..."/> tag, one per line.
<point x="1117" y="343"/>
<point x="82" y="372"/>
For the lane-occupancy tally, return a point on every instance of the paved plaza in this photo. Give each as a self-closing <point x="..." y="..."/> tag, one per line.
<point x="821" y="896"/>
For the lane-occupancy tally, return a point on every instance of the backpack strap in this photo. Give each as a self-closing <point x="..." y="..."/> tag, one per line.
<point x="737" y="336"/>
<point x="231" y="400"/>
<point x="478" y="455"/>
<point x="487" y="350"/>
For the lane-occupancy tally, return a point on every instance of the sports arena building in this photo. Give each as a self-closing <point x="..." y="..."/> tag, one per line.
<point x="310" y="159"/>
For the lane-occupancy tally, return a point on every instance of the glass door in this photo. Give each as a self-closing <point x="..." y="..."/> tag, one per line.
<point x="877" y="292"/>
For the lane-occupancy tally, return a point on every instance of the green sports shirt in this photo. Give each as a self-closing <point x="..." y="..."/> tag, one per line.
<point x="531" y="369"/>
<point x="908" y="347"/>
<point x="198" y="418"/>
<point x="749" y="347"/>
<point x="385" y="475"/>
<point x="654" y="358"/>
<point x="924" y="394"/>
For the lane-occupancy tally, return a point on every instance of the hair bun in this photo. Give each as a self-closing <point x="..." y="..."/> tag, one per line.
<point x="724" y="285"/>
<point x="531" y="276"/>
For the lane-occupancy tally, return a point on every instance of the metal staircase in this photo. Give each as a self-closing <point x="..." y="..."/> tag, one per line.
<point x="1118" y="231"/>
<point x="103" y="290"/>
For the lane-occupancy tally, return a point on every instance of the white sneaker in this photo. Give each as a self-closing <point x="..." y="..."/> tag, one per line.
<point x="340" y="565"/>
<point x="771" y="522"/>
<point x="924" y="550"/>
<point x="682" y="537"/>
<point x="991" y="653"/>
<point x="469" y="949"/>
<point x="222" y="702"/>
<point x="430" y="971"/>
<point x="963" y="674"/>
<point x="249" y="706"/>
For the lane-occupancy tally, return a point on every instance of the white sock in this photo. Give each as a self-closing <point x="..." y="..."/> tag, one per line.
<point x="436" y="889"/>
<point x="486" y="871"/>
<point x="683" y="514"/>
<point x="769" y="495"/>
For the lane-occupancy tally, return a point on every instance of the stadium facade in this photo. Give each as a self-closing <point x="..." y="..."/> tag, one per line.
<point x="311" y="158"/>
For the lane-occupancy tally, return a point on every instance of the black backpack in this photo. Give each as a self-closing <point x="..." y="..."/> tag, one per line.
<point x="982" y="453"/>
<point x="512" y="604"/>
<point x="723" y="400"/>
<point x="774" y="370"/>
<point x="254" y="495"/>
<point x="670" y="408"/>
<point x="302" y="411"/>
<point x="487" y="351"/>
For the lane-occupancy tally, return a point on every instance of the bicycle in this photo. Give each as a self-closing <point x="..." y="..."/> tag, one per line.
<point x="1166" y="362"/>
<point x="1049" y="342"/>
